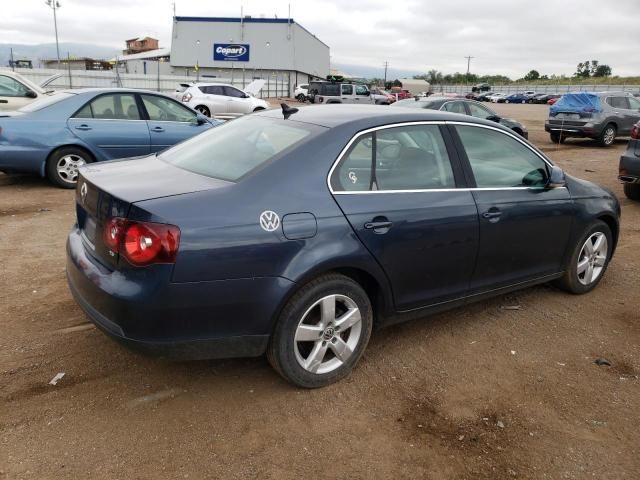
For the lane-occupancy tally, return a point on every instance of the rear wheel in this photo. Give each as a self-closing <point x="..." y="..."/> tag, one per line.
<point x="506" y="101"/>
<point x="301" y="98"/>
<point x="322" y="332"/>
<point x="608" y="135"/>
<point x="632" y="191"/>
<point x="257" y="109"/>
<point x="556" y="138"/>
<point x="63" y="164"/>
<point x="589" y="259"/>
<point x="203" y="110"/>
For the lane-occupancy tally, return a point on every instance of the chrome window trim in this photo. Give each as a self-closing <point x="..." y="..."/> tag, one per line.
<point x="430" y="122"/>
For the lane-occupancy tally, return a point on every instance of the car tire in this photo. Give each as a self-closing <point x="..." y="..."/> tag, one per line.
<point x="204" y="110"/>
<point x="586" y="268"/>
<point x="317" y="362"/>
<point x="301" y="98"/>
<point x="632" y="191"/>
<point x="506" y="101"/>
<point x="524" y="101"/>
<point x="62" y="166"/>
<point x="556" y="138"/>
<point x="608" y="135"/>
<point x="258" y="109"/>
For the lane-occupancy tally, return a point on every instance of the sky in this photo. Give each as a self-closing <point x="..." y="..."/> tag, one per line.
<point x="507" y="37"/>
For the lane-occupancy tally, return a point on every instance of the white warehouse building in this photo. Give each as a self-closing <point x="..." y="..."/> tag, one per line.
<point x="241" y="49"/>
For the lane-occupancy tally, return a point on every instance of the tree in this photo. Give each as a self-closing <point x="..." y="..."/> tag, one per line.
<point x="532" y="75"/>
<point x="583" y="70"/>
<point x="602" y="71"/>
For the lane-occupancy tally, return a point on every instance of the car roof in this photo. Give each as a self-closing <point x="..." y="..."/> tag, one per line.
<point x="212" y="84"/>
<point x="367" y="116"/>
<point x="78" y="91"/>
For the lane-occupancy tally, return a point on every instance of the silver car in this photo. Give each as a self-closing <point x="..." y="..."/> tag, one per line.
<point x="340" y="92"/>
<point x="602" y="116"/>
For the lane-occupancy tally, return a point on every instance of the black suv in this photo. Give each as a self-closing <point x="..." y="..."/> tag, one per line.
<point x="629" y="170"/>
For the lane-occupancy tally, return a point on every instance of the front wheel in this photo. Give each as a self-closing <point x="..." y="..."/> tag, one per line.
<point x="607" y="136"/>
<point x="589" y="260"/>
<point x="63" y="164"/>
<point x="632" y="191"/>
<point x="322" y="332"/>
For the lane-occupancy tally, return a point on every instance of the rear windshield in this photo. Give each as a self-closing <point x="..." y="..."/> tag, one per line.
<point x="235" y="148"/>
<point x="45" y="101"/>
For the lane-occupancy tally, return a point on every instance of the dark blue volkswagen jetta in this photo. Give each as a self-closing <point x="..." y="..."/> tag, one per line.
<point x="296" y="233"/>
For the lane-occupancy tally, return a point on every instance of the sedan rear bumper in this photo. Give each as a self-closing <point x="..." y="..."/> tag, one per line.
<point x="145" y="311"/>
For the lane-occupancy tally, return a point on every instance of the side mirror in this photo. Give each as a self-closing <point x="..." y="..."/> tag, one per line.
<point x="556" y="178"/>
<point x="201" y="119"/>
<point x="494" y="118"/>
<point x="246" y="95"/>
<point x="31" y="94"/>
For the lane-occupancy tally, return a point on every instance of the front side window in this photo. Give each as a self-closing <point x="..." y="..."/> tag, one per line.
<point x="499" y="161"/>
<point x="12" y="88"/>
<point x="347" y="89"/>
<point x="634" y="103"/>
<point x="362" y="90"/>
<point x="233" y="92"/>
<point x="403" y="158"/>
<point x="479" y="111"/>
<point x="235" y="148"/>
<point x="166" y="110"/>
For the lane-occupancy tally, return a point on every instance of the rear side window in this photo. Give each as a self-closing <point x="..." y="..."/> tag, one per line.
<point x="111" y="107"/>
<point x="500" y="161"/>
<point x="235" y="148"/>
<point x="618" y="102"/>
<point x="403" y="158"/>
<point x="212" y="90"/>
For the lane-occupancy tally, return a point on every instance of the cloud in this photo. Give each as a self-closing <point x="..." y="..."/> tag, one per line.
<point x="503" y="37"/>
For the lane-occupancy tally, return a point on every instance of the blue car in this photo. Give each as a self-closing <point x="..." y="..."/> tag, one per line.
<point x="54" y="136"/>
<point x="516" y="98"/>
<point x="295" y="233"/>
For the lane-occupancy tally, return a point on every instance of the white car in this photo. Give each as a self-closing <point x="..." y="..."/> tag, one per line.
<point x="301" y="92"/>
<point x="224" y="100"/>
<point x="496" y="96"/>
<point x="16" y="91"/>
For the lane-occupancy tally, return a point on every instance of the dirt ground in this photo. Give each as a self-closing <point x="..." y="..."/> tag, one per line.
<point x="484" y="392"/>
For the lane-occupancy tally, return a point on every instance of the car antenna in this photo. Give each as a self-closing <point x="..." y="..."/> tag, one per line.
<point x="287" y="111"/>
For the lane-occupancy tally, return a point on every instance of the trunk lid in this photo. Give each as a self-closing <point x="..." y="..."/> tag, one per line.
<point x="108" y="189"/>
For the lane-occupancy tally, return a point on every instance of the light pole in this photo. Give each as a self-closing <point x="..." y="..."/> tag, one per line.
<point x="197" y="61"/>
<point x="55" y="5"/>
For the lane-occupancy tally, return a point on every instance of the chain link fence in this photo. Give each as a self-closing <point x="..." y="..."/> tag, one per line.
<point x="278" y="84"/>
<point x="541" y="88"/>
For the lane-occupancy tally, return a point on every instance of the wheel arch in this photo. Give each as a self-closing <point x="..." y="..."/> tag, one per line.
<point x="613" y="225"/>
<point x="43" y="169"/>
<point x="375" y="288"/>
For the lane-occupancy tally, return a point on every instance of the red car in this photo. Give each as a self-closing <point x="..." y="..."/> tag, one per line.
<point x="401" y="93"/>
<point x="551" y="101"/>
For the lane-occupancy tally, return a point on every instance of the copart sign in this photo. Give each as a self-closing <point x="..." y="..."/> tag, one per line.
<point x="231" y="52"/>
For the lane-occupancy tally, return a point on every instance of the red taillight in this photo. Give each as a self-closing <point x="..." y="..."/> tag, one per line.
<point x="186" y="97"/>
<point x="142" y="243"/>
<point x="635" y="131"/>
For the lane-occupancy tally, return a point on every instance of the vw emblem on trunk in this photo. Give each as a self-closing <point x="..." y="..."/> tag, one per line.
<point x="83" y="192"/>
<point x="269" y="221"/>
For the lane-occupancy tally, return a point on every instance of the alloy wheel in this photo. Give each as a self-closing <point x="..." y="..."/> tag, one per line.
<point x="328" y="334"/>
<point x="609" y="135"/>
<point x="592" y="258"/>
<point x="67" y="167"/>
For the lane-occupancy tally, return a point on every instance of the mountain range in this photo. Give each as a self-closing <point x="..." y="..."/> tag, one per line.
<point x="36" y="53"/>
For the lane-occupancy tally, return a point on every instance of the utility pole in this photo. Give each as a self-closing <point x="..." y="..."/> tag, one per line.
<point x="386" y="66"/>
<point x="12" y="62"/>
<point x="468" y="63"/>
<point x="55" y="5"/>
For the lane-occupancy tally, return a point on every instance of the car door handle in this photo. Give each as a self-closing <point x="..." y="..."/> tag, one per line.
<point x="83" y="127"/>
<point x="157" y="129"/>
<point x="493" y="213"/>
<point x="378" y="225"/>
